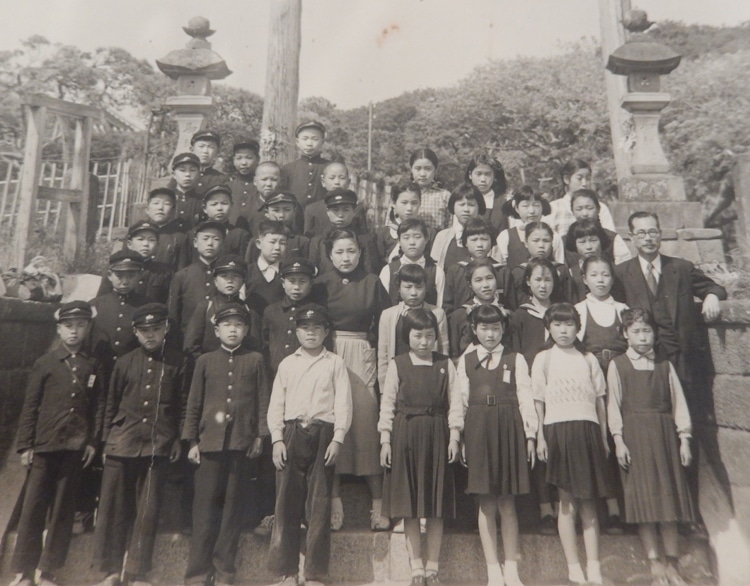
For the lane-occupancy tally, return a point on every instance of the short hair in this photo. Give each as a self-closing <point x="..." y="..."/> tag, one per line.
<point x="585" y="193"/>
<point x="340" y="234"/>
<point x="423" y="154"/>
<point x="477" y="226"/>
<point x="524" y="193"/>
<point x="467" y="191"/>
<point x="475" y="264"/>
<point x="641" y="215"/>
<point x="562" y="312"/>
<point x="535" y="263"/>
<point x="499" y="185"/>
<point x="404" y="186"/>
<point x="487" y="314"/>
<point x="418" y="319"/>
<point x="636" y="314"/>
<point x="267" y="226"/>
<point x="532" y="227"/>
<point x="582" y="229"/>
<point x="410" y="273"/>
<point x="338" y="162"/>
<point x="589" y="260"/>
<point x="571" y="167"/>
<point x="413" y="224"/>
<point x="268" y="164"/>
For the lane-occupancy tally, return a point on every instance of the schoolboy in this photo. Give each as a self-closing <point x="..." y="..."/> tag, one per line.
<point x="225" y="423"/>
<point x="263" y="284"/>
<point x="245" y="159"/>
<point x="185" y="173"/>
<point x="341" y="205"/>
<point x="112" y="335"/>
<point x="478" y="239"/>
<point x="413" y="236"/>
<point x="195" y="283"/>
<point x="205" y="145"/>
<point x="302" y="177"/>
<point x="172" y="248"/>
<point x="230" y="271"/>
<point x="317" y="223"/>
<point x="308" y="417"/>
<point x="412" y="282"/>
<point x="281" y="206"/>
<point x="154" y="279"/>
<point x="141" y="427"/>
<point x="56" y="441"/>
<point x="217" y="205"/>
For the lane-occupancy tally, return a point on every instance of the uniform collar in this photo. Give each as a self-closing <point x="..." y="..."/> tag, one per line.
<point x="416" y="361"/>
<point x="634" y="356"/>
<point x="421" y="261"/>
<point x="231" y="351"/>
<point x="593" y="300"/>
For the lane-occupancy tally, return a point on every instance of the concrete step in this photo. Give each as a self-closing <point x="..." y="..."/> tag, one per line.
<point x="365" y="557"/>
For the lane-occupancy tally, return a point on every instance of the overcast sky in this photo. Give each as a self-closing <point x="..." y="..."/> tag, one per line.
<point x="353" y="51"/>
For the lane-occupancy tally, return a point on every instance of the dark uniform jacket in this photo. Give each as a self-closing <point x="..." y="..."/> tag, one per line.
<point x="228" y="401"/>
<point x="245" y="201"/>
<point x="302" y="178"/>
<point x="191" y="286"/>
<point x="59" y="409"/>
<point x="145" y="406"/>
<point x="154" y="282"/>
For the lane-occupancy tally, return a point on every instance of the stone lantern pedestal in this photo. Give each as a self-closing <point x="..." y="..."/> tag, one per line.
<point x="652" y="187"/>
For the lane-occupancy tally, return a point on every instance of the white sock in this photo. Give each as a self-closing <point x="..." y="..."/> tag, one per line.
<point x="337" y="504"/>
<point x="575" y="573"/>
<point x="594" y="571"/>
<point x="612" y="507"/>
<point x="511" y="569"/>
<point x="494" y="575"/>
<point x="417" y="569"/>
<point x="431" y="568"/>
<point x="545" y="509"/>
<point x="377" y="506"/>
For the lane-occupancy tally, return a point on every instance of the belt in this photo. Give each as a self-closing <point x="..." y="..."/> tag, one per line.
<point x="305" y="422"/>
<point x="427" y="410"/>
<point x="491" y="401"/>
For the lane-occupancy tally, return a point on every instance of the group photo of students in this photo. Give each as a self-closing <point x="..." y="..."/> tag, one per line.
<point x="260" y="339"/>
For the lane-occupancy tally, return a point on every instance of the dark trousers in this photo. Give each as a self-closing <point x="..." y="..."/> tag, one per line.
<point x="262" y="487"/>
<point x="51" y="487"/>
<point x="220" y="493"/>
<point x="304" y="484"/>
<point x="129" y="504"/>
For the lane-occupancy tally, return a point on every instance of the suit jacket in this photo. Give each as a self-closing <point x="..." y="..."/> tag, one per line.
<point x="387" y="336"/>
<point x="680" y="281"/>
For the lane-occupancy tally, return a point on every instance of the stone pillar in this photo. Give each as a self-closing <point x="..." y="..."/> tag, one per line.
<point x="651" y="186"/>
<point x="193" y="67"/>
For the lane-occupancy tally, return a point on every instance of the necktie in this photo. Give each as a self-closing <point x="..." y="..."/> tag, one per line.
<point x="651" y="279"/>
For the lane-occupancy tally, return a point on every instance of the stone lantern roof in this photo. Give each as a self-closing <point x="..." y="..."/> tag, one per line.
<point x="196" y="58"/>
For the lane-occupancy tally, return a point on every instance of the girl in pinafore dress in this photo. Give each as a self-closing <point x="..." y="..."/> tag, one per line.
<point x="602" y="336"/>
<point x="500" y="429"/>
<point x="355" y="300"/>
<point x="647" y="413"/>
<point x="466" y="202"/>
<point x="421" y="418"/>
<point x="569" y="389"/>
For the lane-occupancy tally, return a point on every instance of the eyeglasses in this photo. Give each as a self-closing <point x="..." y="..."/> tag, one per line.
<point x="641" y="234"/>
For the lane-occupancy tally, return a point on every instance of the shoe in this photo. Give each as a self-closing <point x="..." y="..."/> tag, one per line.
<point x="313" y="583"/>
<point x="423" y="526"/>
<point x="697" y="531"/>
<point x="265" y="527"/>
<point x="379" y="522"/>
<point x="399" y="527"/>
<point x="417" y="580"/>
<point x="673" y="575"/>
<point x="431" y="579"/>
<point x="110" y="580"/>
<point x="289" y="581"/>
<point x="513" y="581"/>
<point x="337" y="520"/>
<point x="47" y="582"/>
<point x="140" y="583"/>
<point x="22" y="580"/>
<point x="613" y="525"/>
<point x="548" y="525"/>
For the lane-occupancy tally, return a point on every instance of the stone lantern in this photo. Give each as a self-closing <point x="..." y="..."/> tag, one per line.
<point x="193" y="67"/>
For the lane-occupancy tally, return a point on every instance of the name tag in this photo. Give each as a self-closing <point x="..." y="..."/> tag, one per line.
<point x="92" y="380"/>
<point x="506" y="376"/>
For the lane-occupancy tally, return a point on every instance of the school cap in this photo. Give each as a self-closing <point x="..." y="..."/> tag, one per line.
<point x="126" y="260"/>
<point x="191" y="158"/>
<point x="340" y="196"/>
<point x="313" y="313"/>
<point x="150" y="314"/>
<point x="217" y="189"/>
<point x="246" y="143"/>
<point x="143" y="226"/>
<point x="211" y="225"/>
<point x="232" y="310"/>
<point x="162" y="191"/>
<point x="210" y="135"/>
<point x="75" y="310"/>
<point x="278" y="197"/>
<point x="310" y="124"/>
<point x="233" y="263"/>
<point x="298" y="266"/>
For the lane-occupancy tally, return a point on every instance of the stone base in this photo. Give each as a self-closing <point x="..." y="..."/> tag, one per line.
<point x="672" y="215"/>
<point x="657" y="187"/>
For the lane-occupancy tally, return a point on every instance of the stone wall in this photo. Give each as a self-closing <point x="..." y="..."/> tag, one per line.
<point x="724" y="466"/>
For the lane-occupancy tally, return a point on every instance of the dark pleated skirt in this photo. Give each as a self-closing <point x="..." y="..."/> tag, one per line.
<point x="576" y="461"/>
<point x="496" y="450"/>
<point x="655" y="486"/>
<point x="420" y="482"/>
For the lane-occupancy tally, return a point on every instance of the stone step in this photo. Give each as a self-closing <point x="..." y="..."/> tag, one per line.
<point x="364" y="557"/>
